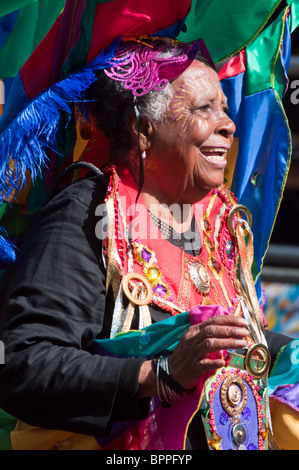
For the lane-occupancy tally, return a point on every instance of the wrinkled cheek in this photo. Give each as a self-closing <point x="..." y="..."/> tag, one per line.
<point x="201" y="126"/>
<point x="185" y="123"/>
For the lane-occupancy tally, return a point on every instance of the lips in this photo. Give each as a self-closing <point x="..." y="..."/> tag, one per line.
<point x="215" y="155"/>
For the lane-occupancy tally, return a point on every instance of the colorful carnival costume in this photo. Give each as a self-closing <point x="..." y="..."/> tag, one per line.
<point x="200" y="280"/>
<point x="142" y="293"/>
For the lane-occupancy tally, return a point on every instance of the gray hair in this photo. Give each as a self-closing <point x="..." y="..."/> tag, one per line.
<point x="110" y="104"/>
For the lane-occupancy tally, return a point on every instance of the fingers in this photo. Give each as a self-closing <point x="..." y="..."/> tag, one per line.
<point x="197" y="351"/>
<point x="223" y="332"/>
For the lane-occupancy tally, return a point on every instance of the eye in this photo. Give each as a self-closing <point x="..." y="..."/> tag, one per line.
<point x="226" y="109"/>
<point x="204" y="107"/>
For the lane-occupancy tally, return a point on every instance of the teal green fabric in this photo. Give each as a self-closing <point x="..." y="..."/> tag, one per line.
<point x="286" y="367"/>
<point x="227" y="26"/>
<point x="149" y="341"/>
<point x="7" y="424"/>
<point x="263" y="60"/>
<point x="34" y="21"/>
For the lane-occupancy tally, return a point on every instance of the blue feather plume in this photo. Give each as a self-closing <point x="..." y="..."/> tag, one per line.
<point x="24" y="143"/>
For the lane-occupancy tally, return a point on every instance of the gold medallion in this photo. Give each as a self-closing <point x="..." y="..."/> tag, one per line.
<point x="233" y="395"/>
<point x="257" y="360"/>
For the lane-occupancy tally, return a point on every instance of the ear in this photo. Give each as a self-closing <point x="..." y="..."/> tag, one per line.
<point x="146" y="130"/>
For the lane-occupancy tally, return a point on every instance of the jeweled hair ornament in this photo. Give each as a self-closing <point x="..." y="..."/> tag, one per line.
<point x="151" y="63"/>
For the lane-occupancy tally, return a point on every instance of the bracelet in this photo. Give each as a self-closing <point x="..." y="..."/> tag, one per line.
<point x="168" y="389"/>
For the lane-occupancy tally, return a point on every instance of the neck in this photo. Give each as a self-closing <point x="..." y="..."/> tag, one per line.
<point x="170" y="207"/>
<point x="177" y="216"/>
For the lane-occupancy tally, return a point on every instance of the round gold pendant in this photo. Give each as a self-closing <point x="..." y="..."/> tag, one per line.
<point x="200" y="277"/>
<point x="257" y="360"/>
<point x="233" y="395"/>
<point x="144" y="293"/>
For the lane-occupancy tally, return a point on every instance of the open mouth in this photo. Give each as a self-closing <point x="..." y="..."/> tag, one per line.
<point x="214" y="153"/>
<point x="216" y="156"/>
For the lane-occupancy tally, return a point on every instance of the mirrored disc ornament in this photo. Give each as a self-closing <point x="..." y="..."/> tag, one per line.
<point x="200" y="277"/>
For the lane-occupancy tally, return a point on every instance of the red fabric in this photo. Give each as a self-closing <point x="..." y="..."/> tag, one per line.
<point x="128" y="440"/>
<point x="43" y="66"/>
<point x="112" y="19"/>
<point x="36" y="71"/>
<point x="234" y="66"/>
<point x="134" y="17"/>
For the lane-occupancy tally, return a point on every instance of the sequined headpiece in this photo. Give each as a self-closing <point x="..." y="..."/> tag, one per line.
<point x="150" y="63"/>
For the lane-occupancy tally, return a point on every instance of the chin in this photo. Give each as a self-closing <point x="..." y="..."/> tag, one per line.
<point x="209" y="186"/>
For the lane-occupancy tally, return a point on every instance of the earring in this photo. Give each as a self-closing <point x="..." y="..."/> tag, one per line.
<point x="143" y="154"/>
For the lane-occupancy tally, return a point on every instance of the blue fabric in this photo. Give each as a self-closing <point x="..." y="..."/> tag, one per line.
<point x="13" y="106"/>
<point x="7" y="24"/>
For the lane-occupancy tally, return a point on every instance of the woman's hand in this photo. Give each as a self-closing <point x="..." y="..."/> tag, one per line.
<point x="193" y="355"/>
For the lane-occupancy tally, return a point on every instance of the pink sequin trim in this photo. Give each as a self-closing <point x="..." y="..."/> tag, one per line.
<point x="142" y="68"/>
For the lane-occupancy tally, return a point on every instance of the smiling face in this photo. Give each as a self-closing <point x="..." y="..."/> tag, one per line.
<point x="187" y="154"/>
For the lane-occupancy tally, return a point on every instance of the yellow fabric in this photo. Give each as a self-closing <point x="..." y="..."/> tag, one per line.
<point x="80" y="146"/>
<point x="285" y="421"/>
<point x="231" y="162"/>
<point x="26" y="437"/>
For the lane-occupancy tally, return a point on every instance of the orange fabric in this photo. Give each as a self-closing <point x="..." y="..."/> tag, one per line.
<point x="26" y="437"/>
<point x="285" y="422"/>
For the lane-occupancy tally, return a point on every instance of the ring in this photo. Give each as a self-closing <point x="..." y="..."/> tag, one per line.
<point x="238" y="208"/>
<point x="135" y="300"/>
<point x="257" y="360"/>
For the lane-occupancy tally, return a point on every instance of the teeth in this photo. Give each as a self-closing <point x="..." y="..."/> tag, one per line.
<point x="216" y="153"/>
<point x="215" y="150"/>
<point x="214" y="157"/>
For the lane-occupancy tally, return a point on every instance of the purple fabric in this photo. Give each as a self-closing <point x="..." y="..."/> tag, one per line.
<point x="288" y="394"/>
<point x="70" y="23"/>
<point x="248" y="419"/>
<point x="202" y="313"/>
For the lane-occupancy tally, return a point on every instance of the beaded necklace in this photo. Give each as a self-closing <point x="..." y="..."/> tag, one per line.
<point x="189" y="241"/>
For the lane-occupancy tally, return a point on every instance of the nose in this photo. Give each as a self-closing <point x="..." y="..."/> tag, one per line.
<point x="225" y="126"/>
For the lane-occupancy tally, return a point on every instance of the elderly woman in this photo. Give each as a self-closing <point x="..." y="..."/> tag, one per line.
<point x="144" y="242"/>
